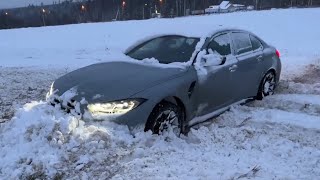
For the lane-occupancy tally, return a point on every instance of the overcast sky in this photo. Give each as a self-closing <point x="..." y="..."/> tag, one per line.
<point x="4" y="4"/>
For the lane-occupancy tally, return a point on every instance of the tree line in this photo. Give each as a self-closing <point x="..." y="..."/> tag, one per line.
<point x="69" y="12"/>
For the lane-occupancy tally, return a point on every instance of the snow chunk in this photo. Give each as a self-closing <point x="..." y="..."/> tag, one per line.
<point x="97" y="96"/>
<point x="201" y="70"/>
<point x="150" y="61"/>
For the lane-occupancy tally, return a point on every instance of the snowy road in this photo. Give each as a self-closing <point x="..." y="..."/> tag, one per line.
<point x="277" y="138"/>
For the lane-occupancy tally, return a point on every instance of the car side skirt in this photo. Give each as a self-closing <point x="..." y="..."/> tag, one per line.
<point x="207" y="117"/>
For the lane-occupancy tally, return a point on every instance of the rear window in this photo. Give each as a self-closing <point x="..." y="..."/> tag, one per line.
<point x="256" y="44"/>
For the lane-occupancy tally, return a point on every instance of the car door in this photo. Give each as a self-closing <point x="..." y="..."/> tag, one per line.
<point x="216" y="91"/>
<point x="247" y="76"/>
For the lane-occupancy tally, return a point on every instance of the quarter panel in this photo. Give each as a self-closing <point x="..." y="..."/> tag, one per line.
<point x="272" y="62"/>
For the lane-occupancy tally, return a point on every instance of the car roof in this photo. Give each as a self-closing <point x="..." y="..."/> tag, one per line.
<point x="203" y="34"/>
<point x="197" y="34"/>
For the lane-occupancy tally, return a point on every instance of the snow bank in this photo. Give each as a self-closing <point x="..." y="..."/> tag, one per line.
<point x="43" y="142"/>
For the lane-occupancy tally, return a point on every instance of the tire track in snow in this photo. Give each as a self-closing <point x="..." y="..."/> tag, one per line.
<point x="284" y="117"/>
<point x="296" y="102"/>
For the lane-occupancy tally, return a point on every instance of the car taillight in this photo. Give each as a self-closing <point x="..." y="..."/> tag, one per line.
<point x="278" y="53"/>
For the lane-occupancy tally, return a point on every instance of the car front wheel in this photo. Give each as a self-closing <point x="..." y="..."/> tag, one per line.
<point x="165" y="116"/>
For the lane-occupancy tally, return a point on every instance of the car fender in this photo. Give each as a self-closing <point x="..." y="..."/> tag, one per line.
<point x="178" y="87"/>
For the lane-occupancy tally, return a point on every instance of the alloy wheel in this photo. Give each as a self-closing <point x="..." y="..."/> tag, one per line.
<point x="167" y="120"/>
<point x="269" y="84"/>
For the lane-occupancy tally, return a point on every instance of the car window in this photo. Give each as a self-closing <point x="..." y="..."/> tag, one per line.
<point x="242" y="42"/>
<point x="256" y="44"/>
<point x="221" y="45"/>
<point x="152" y="45"/>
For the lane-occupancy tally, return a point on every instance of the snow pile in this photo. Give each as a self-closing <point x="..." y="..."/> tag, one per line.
<point x="43" y="142"/>
<point x="27" y="138"/>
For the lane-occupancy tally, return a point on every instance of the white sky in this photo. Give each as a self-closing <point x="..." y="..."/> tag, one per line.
<point x="4" y="4"/>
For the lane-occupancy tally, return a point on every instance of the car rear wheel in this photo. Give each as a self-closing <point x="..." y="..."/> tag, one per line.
<point x="267" y="86"/>
<point x="165" y="116"/>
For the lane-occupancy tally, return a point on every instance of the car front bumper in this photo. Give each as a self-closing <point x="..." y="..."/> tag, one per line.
<point x="136" y="116"/>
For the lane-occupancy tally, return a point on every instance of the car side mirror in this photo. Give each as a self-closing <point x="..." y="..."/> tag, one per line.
<point x="212" y="60"/>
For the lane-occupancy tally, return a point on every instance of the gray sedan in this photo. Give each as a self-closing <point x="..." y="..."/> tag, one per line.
<point x="196" y="78"/>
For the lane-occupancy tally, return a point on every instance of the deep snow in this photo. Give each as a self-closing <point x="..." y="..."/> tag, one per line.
<point x="277" y="138"/>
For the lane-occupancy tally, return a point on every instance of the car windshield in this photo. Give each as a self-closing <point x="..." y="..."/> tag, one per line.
<point x="166" y="49"/>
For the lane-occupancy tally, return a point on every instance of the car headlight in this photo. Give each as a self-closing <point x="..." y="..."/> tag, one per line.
<point x="114" y="108"/>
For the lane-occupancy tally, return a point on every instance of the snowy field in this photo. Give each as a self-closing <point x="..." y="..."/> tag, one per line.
<point x="277" y="138"/>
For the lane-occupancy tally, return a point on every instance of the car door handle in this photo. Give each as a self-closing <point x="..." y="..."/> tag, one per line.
<point x="233" y="68"/>
<point x="259" y="58"/>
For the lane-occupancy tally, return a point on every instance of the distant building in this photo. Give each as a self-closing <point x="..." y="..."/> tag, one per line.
<point x="249" y="8"/>
<point x="197" y="12"/>
<point x="239" y="7"/>
<point x="225" y="7"/>
<point x="212" y="9"/>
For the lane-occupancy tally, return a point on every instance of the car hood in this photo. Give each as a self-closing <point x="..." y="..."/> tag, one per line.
<point x="113" y="80"/>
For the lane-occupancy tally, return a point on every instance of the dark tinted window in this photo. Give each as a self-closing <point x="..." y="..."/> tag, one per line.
<point x="166" y="49"/>
<point x="221" y="45"/>
<point x="242" y="42"/>
<point x="256" y="44"/>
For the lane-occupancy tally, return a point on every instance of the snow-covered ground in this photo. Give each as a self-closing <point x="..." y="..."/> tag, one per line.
<point x="277" y="138"/>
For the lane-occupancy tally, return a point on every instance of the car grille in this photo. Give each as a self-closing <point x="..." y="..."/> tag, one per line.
<point x="68" y="107"/>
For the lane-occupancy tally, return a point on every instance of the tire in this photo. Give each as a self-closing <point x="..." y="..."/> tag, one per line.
<point x="164" y="116"/>
<point x="267" y="85"/>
